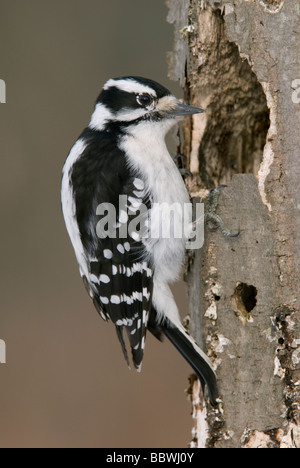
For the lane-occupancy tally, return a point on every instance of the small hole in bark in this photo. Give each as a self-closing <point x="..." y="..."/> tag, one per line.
<point x="243" y="301"/>
<point x="248" y="295"/>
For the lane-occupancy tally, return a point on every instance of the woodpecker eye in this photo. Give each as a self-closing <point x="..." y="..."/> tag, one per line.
<point x="144" y="99"/>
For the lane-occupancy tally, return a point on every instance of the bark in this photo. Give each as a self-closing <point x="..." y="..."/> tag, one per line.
<point x="240" y="60"/>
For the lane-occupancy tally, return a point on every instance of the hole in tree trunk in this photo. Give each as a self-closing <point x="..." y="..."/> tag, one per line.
<point x="243" y="301"/>
<point x="237" y="116"/>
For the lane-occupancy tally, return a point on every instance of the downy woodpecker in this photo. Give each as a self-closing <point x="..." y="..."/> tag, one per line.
<point x="122" y="156"/>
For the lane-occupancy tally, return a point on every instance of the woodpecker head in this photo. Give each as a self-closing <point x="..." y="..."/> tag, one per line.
<point x="132" y="100"/>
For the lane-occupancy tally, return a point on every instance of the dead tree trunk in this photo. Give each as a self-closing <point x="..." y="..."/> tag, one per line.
<point x="240" y="60"/>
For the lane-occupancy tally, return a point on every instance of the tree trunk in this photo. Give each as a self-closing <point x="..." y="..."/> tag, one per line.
<point x="240" y="60"/>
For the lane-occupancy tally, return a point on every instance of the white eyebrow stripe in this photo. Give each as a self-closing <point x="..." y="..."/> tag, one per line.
<point x="130" y="86"/>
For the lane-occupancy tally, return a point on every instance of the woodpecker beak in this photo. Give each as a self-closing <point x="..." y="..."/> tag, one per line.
<point x="183" y="109"/>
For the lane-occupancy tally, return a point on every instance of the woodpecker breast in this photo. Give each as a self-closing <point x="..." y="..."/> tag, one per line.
<point x="148" y="156"/>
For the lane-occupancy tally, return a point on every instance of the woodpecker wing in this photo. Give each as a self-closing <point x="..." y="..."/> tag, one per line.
<point x="119" y="278"/>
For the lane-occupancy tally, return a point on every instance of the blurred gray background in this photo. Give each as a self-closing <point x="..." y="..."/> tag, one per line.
<point x="66" y="383"/>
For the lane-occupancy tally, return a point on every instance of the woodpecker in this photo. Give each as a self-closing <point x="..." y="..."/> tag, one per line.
<point x="122" y="155"/>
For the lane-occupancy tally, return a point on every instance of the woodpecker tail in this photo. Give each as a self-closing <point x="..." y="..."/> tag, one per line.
<point x="195" y="357"/>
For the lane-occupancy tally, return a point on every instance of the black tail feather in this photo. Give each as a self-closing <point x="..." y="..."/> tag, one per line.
<point x="199" y="364"/>
<point x="120" y="335"/>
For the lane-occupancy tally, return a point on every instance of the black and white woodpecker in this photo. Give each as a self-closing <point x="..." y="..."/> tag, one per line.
<point x="122" y="153"/>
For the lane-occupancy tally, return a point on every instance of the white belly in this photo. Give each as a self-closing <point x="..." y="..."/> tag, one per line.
<point x="149" y="156"/>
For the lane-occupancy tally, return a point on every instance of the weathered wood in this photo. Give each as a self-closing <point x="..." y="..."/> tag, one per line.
<point x="241" y="62"/>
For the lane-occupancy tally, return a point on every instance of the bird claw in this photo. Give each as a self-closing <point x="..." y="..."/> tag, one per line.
<point x="177" y="156"/>
<point x="178" y="159"/>
<point x="185" y="173"/>
<point x="213" y="220"/>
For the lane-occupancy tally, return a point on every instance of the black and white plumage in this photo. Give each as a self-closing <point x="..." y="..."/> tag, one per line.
<point x="123" y="153"/>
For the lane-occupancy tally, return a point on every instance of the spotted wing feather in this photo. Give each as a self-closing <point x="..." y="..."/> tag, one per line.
<point x="120" y="279"/>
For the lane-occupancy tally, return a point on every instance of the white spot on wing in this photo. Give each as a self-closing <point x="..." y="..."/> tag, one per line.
<point x="120" y="248"/>
<point x="94" y="279"/>
<point x="108" y="254"/>
<point x="137" y="296"/>
<point x="128" y="300"/>
<point x="146" y="294"/>
<point x="145" y="317"/>
<point x="104" y="279"/>
<point x="139" y="184"/>
<point x="120" y="323"/>
<point x="128" y="272"/>
<point x="115" y="299"/>
<point x="104" y="300"/>
<point x="127" y="246"/>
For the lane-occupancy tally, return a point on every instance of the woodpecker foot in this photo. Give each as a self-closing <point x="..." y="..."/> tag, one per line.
<point x="185" y="173"/>
<point x="178" y="159"/>
<point x="213" y="220"/>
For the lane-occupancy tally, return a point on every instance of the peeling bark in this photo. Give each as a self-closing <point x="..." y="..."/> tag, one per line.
<point x="240" y="61"/>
